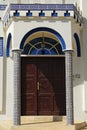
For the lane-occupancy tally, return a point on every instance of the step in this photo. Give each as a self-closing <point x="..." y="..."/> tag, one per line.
<point x="85" y="128"/>
<point x="28" y="123"/>
<point x="39" y="119"/>
<point x="45" y="126"/>
<point x="79" y="125"/>
<point x="49" y="126"/>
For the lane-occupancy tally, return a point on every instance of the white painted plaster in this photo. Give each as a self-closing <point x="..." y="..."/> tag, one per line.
<point x="1" y="83"/>
<point x="18" y="28"/>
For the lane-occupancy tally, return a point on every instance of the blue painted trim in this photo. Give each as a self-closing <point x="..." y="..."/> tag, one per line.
<point x="3" y="7"/>
<point x="41" y="14"/>
<point x="1" y="46"/>
<point x="60" y="38"/>
<point x="77" y="44"/>
<point x="29" y="14"/>
<point x="54" y="14"/>
<point x="8" y="45"/>
<point x="16" y="14"/>
<point x="67" y="14"/>
<point x="38" y="7"/>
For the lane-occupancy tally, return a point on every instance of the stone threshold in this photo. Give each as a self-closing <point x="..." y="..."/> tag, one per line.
<point x="41" y="123"/>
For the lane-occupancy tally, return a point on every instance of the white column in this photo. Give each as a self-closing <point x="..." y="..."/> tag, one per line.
<point x="17" y="87"/>
<point x="69" y="87"/>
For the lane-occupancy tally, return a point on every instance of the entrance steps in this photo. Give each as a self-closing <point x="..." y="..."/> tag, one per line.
<point x="41" y="119"/>
<point x="84" y="128"/>
<point x="41" y="123"/>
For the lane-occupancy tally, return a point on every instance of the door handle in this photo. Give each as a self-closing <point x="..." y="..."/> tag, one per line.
<point x="38" y="86"/>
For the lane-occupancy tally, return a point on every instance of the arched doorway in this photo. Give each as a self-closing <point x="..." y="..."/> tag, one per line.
<point x="43" y="76"/>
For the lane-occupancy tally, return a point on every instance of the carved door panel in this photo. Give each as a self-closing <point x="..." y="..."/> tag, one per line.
<point x="43" y="86"/>
<point x="28" y="89"/>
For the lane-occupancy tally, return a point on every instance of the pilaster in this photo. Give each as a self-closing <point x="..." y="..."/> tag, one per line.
<point x="17" y="87"/>
<point x="69" y="87"/>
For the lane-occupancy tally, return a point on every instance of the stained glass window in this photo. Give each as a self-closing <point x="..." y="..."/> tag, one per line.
<point x="43" y="46"/>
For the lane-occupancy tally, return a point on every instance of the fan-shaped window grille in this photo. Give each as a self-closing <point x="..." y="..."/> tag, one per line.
<point x="43" y="46"/>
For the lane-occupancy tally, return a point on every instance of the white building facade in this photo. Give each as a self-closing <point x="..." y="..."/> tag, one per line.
<point x="43" y="59"/>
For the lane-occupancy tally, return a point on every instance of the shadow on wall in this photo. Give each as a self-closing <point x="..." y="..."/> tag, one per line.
<point x="4" y="87"/>
<point x="84" y="48"/>
<point x="80" y="63"/>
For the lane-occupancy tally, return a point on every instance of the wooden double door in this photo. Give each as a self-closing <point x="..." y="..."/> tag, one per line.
<point x="43" y="86"/>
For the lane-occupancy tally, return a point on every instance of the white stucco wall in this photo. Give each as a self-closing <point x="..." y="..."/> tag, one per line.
<point x="9" y="88"/>
<point x="62" y="27"/>
<point x="73" y="1"/>
<point x="6" y="79"/>
<point x="31" y="1"/>
<point x="9" y="77"/>
<point x="78" y="76"/>
<point x="1" y="83"/>
<point x="1" y="72"/>
<point x="79" y="87"/>
<point x="84" y="46"/>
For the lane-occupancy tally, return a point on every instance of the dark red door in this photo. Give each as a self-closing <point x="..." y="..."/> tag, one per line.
<point x="28" y="87"/>
<point x="43" y="86"/>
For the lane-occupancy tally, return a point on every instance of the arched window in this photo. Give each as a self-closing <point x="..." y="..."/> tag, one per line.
<point x="77" y="44"/>
<point x="8" y="45"/>
<point x="43" y="46"/>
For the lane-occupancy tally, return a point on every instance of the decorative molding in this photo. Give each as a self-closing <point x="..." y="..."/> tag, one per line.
<point x="3" y="7"/>
<point x="29" y="14"/>
<point x="60" y="7"/>
<point x="16" y="14"/>
<point x="68" y="8"/>
<point x="54" y="14"/>
<point x="43" y="29"/>
<point x="41" y="14"/>
<point x="67" y="14"/>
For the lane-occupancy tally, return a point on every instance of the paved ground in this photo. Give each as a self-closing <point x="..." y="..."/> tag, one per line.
<point x="85" y="128"/>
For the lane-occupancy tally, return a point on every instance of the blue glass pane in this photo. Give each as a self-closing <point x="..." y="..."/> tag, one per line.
<point x="53" y="52"/>
<point x="43" y="52"/>
<point x="33" y="51"/>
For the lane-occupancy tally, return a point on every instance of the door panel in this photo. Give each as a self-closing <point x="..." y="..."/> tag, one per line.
<point x="49" y="99"/>
<point x="45" y="94"/>
<point x="45" y="104"/>
<point x="28" y="83"/>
